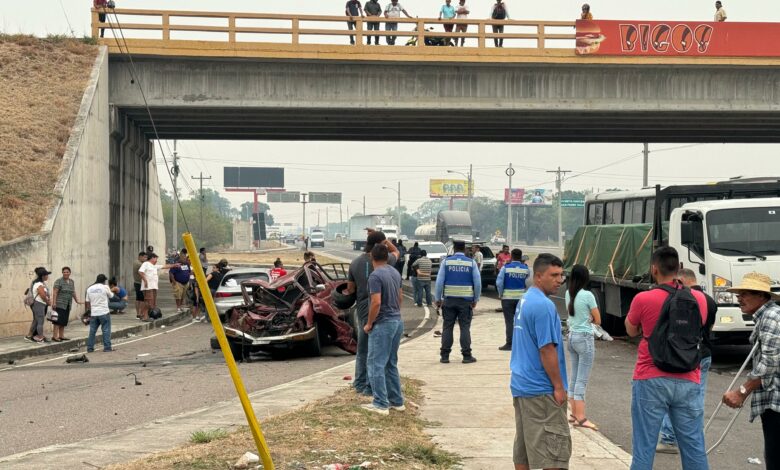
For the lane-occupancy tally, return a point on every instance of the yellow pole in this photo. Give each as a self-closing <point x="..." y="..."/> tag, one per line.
<point x="254" y="426"/>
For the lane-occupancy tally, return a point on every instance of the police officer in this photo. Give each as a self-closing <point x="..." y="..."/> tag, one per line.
<point x="458" y="286"/>
<point x="510" y="283"/>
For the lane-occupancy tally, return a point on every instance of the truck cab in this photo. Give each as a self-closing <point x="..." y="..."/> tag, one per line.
<point x="722" y="241"/>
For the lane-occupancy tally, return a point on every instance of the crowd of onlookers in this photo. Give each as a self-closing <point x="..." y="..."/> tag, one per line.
<point x="449" y="13"/>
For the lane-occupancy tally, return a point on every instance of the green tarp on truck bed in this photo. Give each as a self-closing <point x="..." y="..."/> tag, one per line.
<point x="617" y="252"/>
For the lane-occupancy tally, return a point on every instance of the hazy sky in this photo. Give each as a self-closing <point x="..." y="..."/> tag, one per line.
<point x="334" y="166"/>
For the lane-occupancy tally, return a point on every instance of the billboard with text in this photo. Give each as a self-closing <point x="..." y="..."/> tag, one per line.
<point x="518" y="196"/>
<point x="450" y="188"/>
<point x="538" y="197"/>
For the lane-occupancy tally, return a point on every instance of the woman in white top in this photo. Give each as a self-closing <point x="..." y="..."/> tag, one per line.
<point x="40" y="305"/>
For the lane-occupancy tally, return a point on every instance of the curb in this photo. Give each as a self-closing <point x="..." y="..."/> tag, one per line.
<point x="65" y="346"/>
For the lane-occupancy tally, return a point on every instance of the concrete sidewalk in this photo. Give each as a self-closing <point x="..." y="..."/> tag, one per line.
<point x="471" y="402"/>
<point x="473" y="405"/>
<point x="16" y="348"/>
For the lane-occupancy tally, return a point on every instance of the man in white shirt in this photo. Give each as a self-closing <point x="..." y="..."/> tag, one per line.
<point x="393" y="10"/>
<point x="462" y="13"/>
<point x="150" y="279"/>
<point x="720" y="13"/>
<point x="96" y="300"/>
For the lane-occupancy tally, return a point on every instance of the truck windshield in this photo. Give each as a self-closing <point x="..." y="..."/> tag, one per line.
<point x="753" y="230"/>
<point x="458" y="230"/>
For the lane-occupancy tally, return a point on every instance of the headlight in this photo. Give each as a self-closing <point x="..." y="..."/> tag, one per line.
<point x="722" y="296"/>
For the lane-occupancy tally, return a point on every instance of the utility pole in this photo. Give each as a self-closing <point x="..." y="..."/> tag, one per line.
<point x="646" y="152"/>
<point x="559" y="174"/>
<point x="471" y="191"/>
<point x="399" y="211"/>
<point x="327" y="221"/>
<point x="201" y="178"/>
<point x="509" y="172"/>
<point x="303" y="201"/>
<point x="175" y="211"/>
<point x="364" y="204"/>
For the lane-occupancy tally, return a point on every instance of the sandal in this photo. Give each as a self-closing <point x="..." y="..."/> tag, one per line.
<point x="581" y="424"/>
<point x="572" y="419"/>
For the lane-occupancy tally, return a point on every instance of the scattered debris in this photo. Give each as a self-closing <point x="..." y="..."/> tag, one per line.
<point x="162" y="326"/>
<point x="754" y="461"/>
<point x="137" y="382"/>
<point x="347" y="377"/>
<point x="46" y="398"/>
<point x="165" y="363"/>
<point x="11" y="362"/>
<point x="143" y="364"/>
<point x="73" y="350"/>
<point x="80" y="358"/>
<point x="407" y="335"/>
<point x="437" y="334"/>
<point x="246" y="460"/>
<point x="142" y="355"/>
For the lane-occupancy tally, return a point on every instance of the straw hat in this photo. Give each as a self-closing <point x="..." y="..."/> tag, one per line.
<point x="756" y="282"/>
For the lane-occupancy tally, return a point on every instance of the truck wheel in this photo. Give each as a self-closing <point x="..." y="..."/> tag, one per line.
<point x="314" y="346"/>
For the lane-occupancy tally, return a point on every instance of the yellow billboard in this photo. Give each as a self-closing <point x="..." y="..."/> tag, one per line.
<point x="450" y="188"/>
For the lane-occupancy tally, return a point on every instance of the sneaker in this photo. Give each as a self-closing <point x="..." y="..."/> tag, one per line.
<point x="664" y="448"/>
<point x="29" y="338"/>
<point x="506" y="347"/>
<point x="375" y="409"/>
<point x="469" y="359"/>
<point x="398" y="408"/>
<point x="64" y="339"/>
<point x="445" y="360"/>
<point x="109" y="350"/>
<point x="39" y="340"/>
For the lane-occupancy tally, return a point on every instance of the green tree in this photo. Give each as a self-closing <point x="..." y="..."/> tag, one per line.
<point x="426" y="213"/>
<point x="217" y="225"/>
<point x="245" y="211"/>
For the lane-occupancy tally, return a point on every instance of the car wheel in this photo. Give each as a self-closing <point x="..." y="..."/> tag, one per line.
<point x="314" y="346"/>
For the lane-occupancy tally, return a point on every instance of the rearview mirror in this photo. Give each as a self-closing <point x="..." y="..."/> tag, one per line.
<point x="686" y="233"/>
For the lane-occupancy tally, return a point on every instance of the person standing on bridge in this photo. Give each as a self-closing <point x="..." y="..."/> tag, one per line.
<point x="101" y="6"/>
<point x="720" y="13"/>
<point x="510" y="284"/>
<point x="353" y="9"/>
<point x="447" y="13"/>
<point x="499" y="13"/>
<point x="373" y="10"/>
<point x="586" y="14"/>
<point x="359" y="270"/>
<point x="458" y="287"/>
<point x="393" y="10"/>
<point x="462" y="13"/>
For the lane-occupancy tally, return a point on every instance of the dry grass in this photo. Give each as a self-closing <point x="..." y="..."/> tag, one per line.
<point x="291" y="259"/>
<point x="333" y="430"/>
<point x="42" y="82"/>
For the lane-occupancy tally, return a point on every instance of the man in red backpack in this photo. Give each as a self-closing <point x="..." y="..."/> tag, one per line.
<point x="656" y="391"/>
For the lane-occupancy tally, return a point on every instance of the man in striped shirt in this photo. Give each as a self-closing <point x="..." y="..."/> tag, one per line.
<point x="422" y="266"/>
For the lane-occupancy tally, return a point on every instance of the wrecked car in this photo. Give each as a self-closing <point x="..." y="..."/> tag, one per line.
<point x="304" y="309"/>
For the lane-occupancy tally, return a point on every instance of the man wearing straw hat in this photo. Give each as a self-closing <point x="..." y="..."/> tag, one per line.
<point x="755" y="297"/>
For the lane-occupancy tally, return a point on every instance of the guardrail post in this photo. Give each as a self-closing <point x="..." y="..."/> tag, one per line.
<point x="359" y="32"/>
<point x="95" y="21"/>
<point x="481" y="39"/>
<point x="295" y="29"/>
<point x="540" y="36"/>
<point x="232" y="29"/>
<point x="420" y="32"/>
<point x="166" y="27"/>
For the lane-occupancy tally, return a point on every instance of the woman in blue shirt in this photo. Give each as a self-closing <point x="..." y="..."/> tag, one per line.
<point x="583" y="313"/>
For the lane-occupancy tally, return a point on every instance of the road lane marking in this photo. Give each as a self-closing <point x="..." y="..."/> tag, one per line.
<point x="59" y="358"/>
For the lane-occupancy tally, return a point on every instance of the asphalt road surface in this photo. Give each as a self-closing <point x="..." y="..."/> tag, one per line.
<point x="44" y="401"/>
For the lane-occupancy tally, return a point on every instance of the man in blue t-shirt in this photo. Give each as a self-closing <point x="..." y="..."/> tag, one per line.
<point x="180" y="280"/>
<point x="384" y="329"/>
<point x="538" y="366"/>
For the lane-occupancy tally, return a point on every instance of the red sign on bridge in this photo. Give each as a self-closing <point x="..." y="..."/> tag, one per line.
<point x="672" y="38"/>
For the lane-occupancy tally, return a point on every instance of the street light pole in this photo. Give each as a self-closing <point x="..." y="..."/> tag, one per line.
<point x="469" y="182"/>
<point x="645" y="166"/>
<point x="398" y="210"/>
<point x="509" y="172"/>
<point x="559" y="174"/>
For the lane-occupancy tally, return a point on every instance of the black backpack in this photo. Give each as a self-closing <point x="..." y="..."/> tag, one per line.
<point x="676" y="339"/>
<point x="499" y="12"/>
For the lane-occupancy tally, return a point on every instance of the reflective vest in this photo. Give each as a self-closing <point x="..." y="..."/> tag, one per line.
<point x="515" y="274"/>
<point x="458" y="277"/>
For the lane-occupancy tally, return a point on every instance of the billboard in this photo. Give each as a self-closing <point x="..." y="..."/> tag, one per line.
<point x="450" y="188"/>
<point x="253" y="177"/>
<point x="518" y="195"/>
<point x="538" y="197"/>
<point x="675" y="38"/>
<point x="325" y="198"/>
<point x="284" y="196"/>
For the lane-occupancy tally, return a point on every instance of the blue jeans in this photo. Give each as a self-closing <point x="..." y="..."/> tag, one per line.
<point x="421" y="287"/>
<point x="582" y="350"/>
<point x="667" y="433"/>
<point x="115" y="303"/>
<point x="382" y="364"/>
<point x="360" y="383"/>
<point x="105" y="327"/>
<point x="651" y="400"/>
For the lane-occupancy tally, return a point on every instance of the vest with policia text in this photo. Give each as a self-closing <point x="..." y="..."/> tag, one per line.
<point x="515" y="274"/>
<point x="458" y="277"/>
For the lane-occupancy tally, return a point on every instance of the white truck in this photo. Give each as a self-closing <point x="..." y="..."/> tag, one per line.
<point x="359" y="223"/>
<point x="721" y="231"/>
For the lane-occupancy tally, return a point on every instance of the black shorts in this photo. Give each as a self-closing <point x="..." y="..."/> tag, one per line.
<point x="139" y="294"/>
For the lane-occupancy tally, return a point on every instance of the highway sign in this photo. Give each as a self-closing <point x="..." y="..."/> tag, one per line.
<point x="324" y="198"/>
<point x="253" y="177"/>
<point x="572" y="203"/>
<point x="284" y="196"/>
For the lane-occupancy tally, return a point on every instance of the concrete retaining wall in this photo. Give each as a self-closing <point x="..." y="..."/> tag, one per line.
<point x="77" y="231"/>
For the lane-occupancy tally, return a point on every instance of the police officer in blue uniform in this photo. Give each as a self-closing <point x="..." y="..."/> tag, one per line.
<point x="510" y="283"/>
<point x="458" y="286"/>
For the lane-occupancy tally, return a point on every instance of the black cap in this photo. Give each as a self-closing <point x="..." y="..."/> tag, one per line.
<point x="40" y="271"/>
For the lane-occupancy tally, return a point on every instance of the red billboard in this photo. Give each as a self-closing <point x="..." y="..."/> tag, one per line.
<point x="674" y="38"/>
<point x="518" y="195"/>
